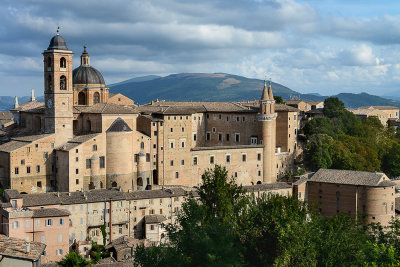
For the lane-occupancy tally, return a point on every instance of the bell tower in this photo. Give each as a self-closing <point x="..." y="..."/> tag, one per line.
<point x="58" y="91"/>
<point x="267" y="117"/>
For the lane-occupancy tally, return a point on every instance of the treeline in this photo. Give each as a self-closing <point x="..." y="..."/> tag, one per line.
<point x="341" y="140"/>
<point x="226" y="227"/>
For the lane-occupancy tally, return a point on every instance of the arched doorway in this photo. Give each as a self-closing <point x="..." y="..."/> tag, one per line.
<point x="139" y="181"/>
<point x="259" y="182"/>
<point x="91" y="186"/>
<point x="81" y="98"/>
<point x="114" y="184"/>
<point x="96" y="98"/>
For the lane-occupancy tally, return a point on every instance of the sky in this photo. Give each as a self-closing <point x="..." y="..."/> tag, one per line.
<point x="310" y="46"/>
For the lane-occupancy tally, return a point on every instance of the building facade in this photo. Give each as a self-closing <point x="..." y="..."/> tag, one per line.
<point x="83" y="138"/>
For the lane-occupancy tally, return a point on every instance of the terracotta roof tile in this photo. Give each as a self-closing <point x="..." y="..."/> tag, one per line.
<point x="15" y="247"/>
<point x="157" y="218"/>
<point x="50" y="212"/>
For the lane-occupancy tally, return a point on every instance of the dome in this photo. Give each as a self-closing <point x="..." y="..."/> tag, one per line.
<point x="57" y="42"/>
<point x="87" y="75"/>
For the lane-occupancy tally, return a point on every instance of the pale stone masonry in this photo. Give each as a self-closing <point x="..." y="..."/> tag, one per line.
<point x="83" y="138"/>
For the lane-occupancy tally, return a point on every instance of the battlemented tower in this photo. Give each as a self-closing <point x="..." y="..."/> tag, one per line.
<point x="58" y="92"/>
<point x="267" y="117"/>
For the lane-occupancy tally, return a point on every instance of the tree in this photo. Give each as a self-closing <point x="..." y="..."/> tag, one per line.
<point x="318" y="152"/>
<point x="278" y="99"/>
<point x="391" y="161"/>
<point x="320" y="125"/>
<point x="73" y="259"/>
<point x="333" y="107"/>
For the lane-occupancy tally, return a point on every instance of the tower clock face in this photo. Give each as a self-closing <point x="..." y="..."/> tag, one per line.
<point x="49" y="103"/>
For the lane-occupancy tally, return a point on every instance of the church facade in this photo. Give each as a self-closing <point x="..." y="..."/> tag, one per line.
<point x="83" y="137"/>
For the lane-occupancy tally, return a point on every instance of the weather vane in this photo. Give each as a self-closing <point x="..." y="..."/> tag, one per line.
<point x="58" y="29"/>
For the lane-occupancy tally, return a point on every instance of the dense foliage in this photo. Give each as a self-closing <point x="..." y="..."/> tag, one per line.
<point x="226" y="227"/>
<point x="341" y="140"/>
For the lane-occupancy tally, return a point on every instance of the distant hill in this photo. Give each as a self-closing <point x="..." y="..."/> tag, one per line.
<point x="225" y="87"/>
<point x="137" y="79"/>
<point x="198" y="86"/>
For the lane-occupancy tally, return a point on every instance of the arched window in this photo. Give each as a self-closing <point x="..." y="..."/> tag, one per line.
<point x="63" y="63"/>
<point x="96" y="98"/>
<point x="81" y="98"/>
<point x="141" y="145"/>
<point x="63" y="83"/>
<point x="88" y="126"/>
<point x="49" y="83"/>
<point x="49" y="63"/>
<point x="139" y="181"/>
<point x="114" y="184"/>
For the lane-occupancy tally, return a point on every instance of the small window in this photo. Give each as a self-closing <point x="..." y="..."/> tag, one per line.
<point x="102" y="162"/>
<point x="88" y="164"/>
<point x="142" y="145"/>
<point x="22" y="162"/>
<point x="237" y="137"/>
<point x="39" y="184"/>
<point x="77" y="181"/>
<point x="195" y="160"/>
<point x="194" y="137"/>
<point x="244" y="157"/>
<point x="182" y="162"/>
<point x="228" y="158"/>
<point x="220" y="137"/>
<point x="259" y="156"/>
<point x="76" y="150"/>
<point x="176" y="175"/>
<point x="49" y="222"/>
<point x="155" y="133"/>
<point x="214" y="129"/>
<point x="211" y="159"/>
<point x="172" y="163"/>
<point x="61" y="221"/>
<point x="28" y="169"/>
<point x="208" y="136"/>
<point x="171" y="145"/>
<point x="76" y="171"/>
<point x="94" y="148"/>
<point x="45" y="155"/>
<point x="37" y="168"/>
<point x="183" y="129"/>
<point x="227" y="137"/>
<point x="172" y="130"/>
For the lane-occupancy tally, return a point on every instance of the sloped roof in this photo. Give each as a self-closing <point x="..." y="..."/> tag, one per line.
<point x="11" y="146"/>
<point x="50" y="212"/>
<point x="119" y="125"/>
<point x="351" y="177"/>
<point x="31" y="105"/>
<point x="6" y="116"/>
<point x="267" y="187"/>
<point x="156" y="218"/>
<point x="15" y="247"/>
<point x="107" y="108"/>
<point x="76" y="141"/>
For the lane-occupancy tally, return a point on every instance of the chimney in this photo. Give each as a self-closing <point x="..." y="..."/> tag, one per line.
<point x="28" y="247"/>
<point x="33" y="95"/>
<point x="16" y="102"/>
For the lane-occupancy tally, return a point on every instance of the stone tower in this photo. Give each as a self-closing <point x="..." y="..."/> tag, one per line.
<point x="58" y="92"/>
<point x="267" y="117"/>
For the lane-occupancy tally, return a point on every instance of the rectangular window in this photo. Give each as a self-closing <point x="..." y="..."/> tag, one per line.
<point x="259" y="173"/>
<point x="39" y="184"/>
<point x="259" y="156"/>
<point x="237" y="137"/>
<point x="45" y="155"/>
<point x="16" y="170"/>
<point x="228" y="158"/>
<point x="176" y="175"/>
<point x="183" y="144"/>
<point x="227" y="137"/>
<point x="60" y="238"/>
<point x="195" y="161"/>
<point x="155" y="133"/>
<point x="208" y="136"/>
<point x="61" y="221"/>
<point x="76" y="171"/>
<point x="94" y="148"/>
<point x="194" y="137"/>
<point x="172" y="163"/>
<point x="49" y="222"/>
<point x="38" y="223"/>
<point x="42" y="239"/>
<point x="214" y="129"/>
<point x="76" y="159"/>
<point x="172" y="130"/>
<point x="171" y="145"/>
<point x="244" y="157"/>
<point x="76" y="150"/>
<point x="183" y="129"/>
<point x="28" y="169"/>
<point x="22" y="162"/>
<point x="182" y="162"/>
<point x="102" y="162"/>
<point x="147" y="157"/>
<point x="211" y="159"/>
<point x="253" y="140"/>
<point x="27" y="224"/>
<point x="13" y="203"/>
<point x="15" y="225"/>
<point x="59" y="252"/>
<point x="88" y="164"/>
<point x="220" y="137"/>
<point x="76" y="181"/>
<point x="120" y="230"/>
<point x="135" y="158"/>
